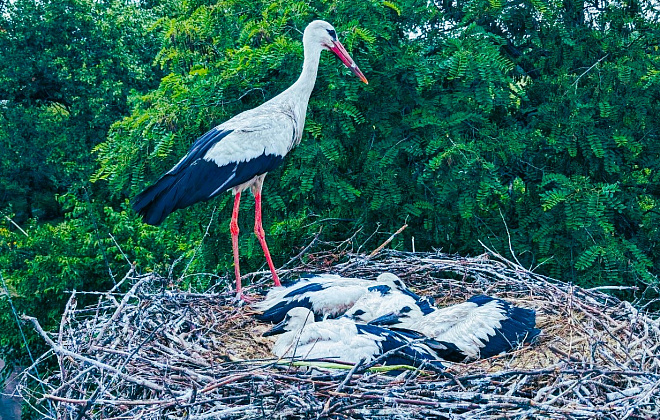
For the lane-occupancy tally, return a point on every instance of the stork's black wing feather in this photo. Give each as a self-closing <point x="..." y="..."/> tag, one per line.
<point x="408" y="353"/>
<point x="518" y="327"/>
<point x="196" y="179"/>
<point x="200" y="147"/>
<point x="276" y="313"/>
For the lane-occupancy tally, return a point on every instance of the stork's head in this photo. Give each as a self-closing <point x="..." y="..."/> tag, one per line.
<point x="398" y="316"/>
<point x="321" y="33"/>
<point x="391" y="279"/>
<point x="295" y="320"/>
<point x="386" y="310"/>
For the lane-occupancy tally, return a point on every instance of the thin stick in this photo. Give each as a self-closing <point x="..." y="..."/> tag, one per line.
<point x="130" y="264"/>
<point x="15" y="224"/>
<point x="384" y="244"/>
<point x="589" y="69"/>
<point x="340" y="387"/>
<point x="201" y="241"/>
<point x="20" y="330"/>
<point x="305" y="249"/>
<point x="64" y="352"/>
<point x="121" y="306"/>
<point x="508" y="235"/>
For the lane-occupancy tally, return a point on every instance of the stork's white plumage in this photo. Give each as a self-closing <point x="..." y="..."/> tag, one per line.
<point x="481" y="327"/>
<point x="344" y="340"/>
<point x="238" y="153"/>
<point x="380" y="302"/>
<point x="329" y="295"/>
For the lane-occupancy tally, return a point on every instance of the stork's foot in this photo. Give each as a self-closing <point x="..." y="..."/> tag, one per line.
<point x="276" y="279"/>
<point x="243" y="299"/>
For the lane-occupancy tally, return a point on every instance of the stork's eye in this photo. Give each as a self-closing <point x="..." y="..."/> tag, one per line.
<point x="332" y="33"/>
<point x="406" y="309"/>
<point x="358" y="312"/>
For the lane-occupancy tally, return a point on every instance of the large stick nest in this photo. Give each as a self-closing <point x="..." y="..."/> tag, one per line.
<point x="157" y="352"/>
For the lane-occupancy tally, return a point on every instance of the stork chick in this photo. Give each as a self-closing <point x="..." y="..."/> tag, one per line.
<point x="330" y="295"/>
<point x="481" y="327"/>
<point x="344" y="340"/>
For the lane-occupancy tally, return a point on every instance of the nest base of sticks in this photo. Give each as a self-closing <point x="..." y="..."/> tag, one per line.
<point x="151" y="352"/>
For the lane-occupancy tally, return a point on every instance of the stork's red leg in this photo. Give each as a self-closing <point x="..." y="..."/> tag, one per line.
<point x="261" y="235"/>
<point x="233" y="227"/>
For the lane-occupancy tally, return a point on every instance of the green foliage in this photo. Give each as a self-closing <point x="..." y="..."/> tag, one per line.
<point x="529" y="123"/>
<point x="66" y="69"/>
<point x="88" y="250"/>
<point x="486" y="116"/>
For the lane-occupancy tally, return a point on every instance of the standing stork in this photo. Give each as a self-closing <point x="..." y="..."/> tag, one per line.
<point x="238" y="153"/>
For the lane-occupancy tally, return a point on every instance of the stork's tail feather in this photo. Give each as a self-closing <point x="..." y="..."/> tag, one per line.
<point x="526" y="318"/>
<point x="154" y="204"/>
<point x="517" y="329"/>
<point x="446" y="350"/>
<point x="277" y="312"/>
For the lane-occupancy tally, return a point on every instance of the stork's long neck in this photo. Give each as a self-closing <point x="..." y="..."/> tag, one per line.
<point x="302" y="89"/>
<point x="296" y="97"/>
<point x="305" y="83"/>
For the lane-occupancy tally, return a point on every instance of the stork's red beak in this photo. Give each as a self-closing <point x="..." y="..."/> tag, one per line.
<point x="341" y="52"/>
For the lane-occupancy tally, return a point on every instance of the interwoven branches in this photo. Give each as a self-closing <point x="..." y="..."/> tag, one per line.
<point x="154" y="352"/>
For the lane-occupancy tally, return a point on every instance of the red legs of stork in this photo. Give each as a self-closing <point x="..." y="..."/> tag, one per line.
<point x="258" y="230"/>
<point x="233" y="228"/>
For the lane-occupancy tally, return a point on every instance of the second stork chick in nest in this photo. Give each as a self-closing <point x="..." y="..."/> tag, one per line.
<point x="330" y="295"/>
<point x="343" y="340"/>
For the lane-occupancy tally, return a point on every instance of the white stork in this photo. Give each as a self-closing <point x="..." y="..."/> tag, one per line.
<point x="344" y="340"/>
<point x="330" y="295"/>
<point x="238" y="153"/>
<point x="481" y="327"/>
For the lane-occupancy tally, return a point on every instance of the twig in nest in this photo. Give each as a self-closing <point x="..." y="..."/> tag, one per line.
<point x="305" y="249"/>
<point x="327" y="408"/>
<point x="384" y="244"/>
<point x="63" y="352"/>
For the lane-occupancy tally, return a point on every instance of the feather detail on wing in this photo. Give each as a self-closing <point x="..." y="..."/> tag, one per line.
<point x="481" y="327"/>
<point x="326" y="295"/>
<point x="214" y="164"/>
